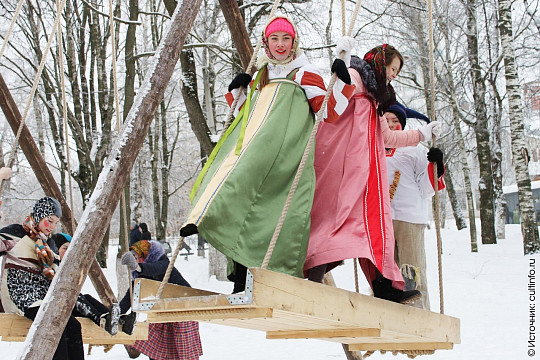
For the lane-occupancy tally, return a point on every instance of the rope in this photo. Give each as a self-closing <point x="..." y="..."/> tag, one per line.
<point x="356" y="286"/>
<point x="433" y="143"/>
<point x="33" y="91"/>
<point x="64" y="114"/>
<point x="11" y="26"/>
<point x="117" y="114"/>
<point x="230" y="116"/>
<point x="169" y="268"/>
<point x="307" y="151"/>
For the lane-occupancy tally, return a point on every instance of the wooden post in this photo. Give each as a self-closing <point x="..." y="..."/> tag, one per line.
<point x="66" y="285"/>
<point x="48" y="183"/>
<point x="238" y="31"/>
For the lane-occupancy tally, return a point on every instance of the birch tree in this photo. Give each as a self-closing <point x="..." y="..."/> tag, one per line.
<point x="485" y="185"/>
<point x="529" y="228"/>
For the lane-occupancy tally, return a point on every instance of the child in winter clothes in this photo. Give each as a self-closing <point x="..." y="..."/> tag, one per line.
<point x="248" y="176"/>
<point x="410" y="175"/>
<point x="86" y="305"/>
<point x="29" y="269"/>
<point x="351" y="210"/>
<point x="166" y="341"/>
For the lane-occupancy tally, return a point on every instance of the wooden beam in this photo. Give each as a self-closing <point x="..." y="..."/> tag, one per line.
<point x="48" y="183"/>
<point x="213" y="315"/>
<point x="319" y="334"/>
<point x="238" y="31"/>
<point x="39" y="345"/>
<point x="402" y="346"/>
<point x="14" y="327"/>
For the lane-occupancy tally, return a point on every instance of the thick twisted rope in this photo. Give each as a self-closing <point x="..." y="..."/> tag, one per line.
<point x="118" y="122"/>
<point x="11" y="26"/>
<point x="307" y="151"/>
<point x="33" y="91"/>
<point x="433" y="143"/>
<point x="64" y="113"/>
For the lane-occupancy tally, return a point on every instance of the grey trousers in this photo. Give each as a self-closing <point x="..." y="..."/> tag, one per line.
<point x="410" y="251"/>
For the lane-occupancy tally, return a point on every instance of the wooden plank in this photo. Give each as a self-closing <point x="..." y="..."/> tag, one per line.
<point x="357" y="310"/>
<point x="218" y="314"/>
<point x="315" y="334"/>
<point x="14" y="327"/>
<point x="299" y="312"/>
<point x="402" y="346"/>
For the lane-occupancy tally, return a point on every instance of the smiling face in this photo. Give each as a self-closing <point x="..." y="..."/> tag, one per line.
<point x="48" y="224"/>
<point x="393" y="69"/>
<point x="62" y="250"/>
<point x="280" y="44"/>
<point x="393" y="121"/>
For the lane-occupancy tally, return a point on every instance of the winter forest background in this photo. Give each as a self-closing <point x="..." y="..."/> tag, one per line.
<point x="487" y="97"/>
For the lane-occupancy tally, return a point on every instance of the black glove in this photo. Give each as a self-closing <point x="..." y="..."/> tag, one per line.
<point x="188" y="230"/>
<point x="242" y="80"/>
<point x="341" y="71"/>
<point x="436" y="155"/>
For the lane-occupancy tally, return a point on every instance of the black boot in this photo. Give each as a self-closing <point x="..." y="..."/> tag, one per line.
<point x="112" y="318"/>
<point x="83" y="308"/>
<point x="127" y="322"/>
<point x="382" y="289"/>
<point x="238" y="276"/>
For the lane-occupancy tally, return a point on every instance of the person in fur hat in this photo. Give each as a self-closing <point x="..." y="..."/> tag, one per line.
<point x="29" y="268"/>
<point x="166" y="341"/>
<point x="411" y="179"/>
<point x="248" y="176"/>
<point x="351" y="216"/>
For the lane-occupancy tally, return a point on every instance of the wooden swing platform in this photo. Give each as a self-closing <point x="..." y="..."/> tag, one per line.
<point x="14" y="327"/>
<point x="286" y="307"/>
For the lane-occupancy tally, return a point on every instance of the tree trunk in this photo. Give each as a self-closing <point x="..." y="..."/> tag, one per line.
<point x="485" y="185"/>
<point x="454" y="201"/>
<point x="462" y="151"/>
<point x="191" y="101"/>
<point x="238" y="30"/>
<point x="529" y="228"/>
<point x="70" y="278"/>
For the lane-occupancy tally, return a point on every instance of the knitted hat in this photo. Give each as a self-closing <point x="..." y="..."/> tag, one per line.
<point x="399" y="110"/>
<point x="279" y="24"/>
<point x="60" y="239"/>
<point x="403" y="113"/>
<point x="141" y="248"/>
<point x="45" y="207"/>
<point x="133" y="224"/>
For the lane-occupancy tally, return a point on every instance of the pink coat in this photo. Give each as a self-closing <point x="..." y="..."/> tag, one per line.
<point x="351" y="215"/>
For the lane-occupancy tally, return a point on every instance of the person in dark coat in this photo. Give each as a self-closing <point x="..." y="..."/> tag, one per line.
<point x="145" y="234"/>
<point x="134" y="233"/>
<point x="175" y="340"/>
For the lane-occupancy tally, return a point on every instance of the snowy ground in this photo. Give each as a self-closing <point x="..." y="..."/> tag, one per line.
<point x="488" y="291"/>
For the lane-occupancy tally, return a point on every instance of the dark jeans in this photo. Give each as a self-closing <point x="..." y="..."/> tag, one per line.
<point x="70" y="346"/>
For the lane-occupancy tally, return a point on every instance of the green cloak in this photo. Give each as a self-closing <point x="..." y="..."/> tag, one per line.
<point x="240" y="198"/>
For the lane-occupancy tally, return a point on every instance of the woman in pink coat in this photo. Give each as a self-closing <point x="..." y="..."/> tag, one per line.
<point x="351" y="215"/>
